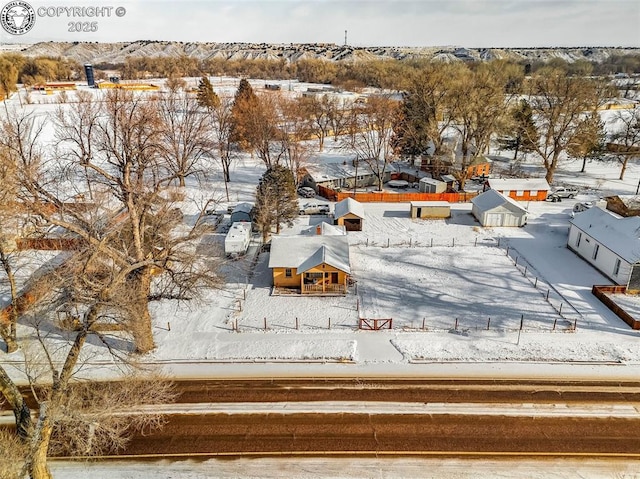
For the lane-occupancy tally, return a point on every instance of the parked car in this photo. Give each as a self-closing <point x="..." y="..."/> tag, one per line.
<point x="557" y="194"/>
<point x="314" y="209"/>
<point x="581" y="206"/>
<point x="306" y="192"/>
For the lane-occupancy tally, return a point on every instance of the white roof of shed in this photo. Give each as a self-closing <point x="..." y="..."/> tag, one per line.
<point x="306" y="252"/>
<point x="491" y="199"/>
<point x="620" y="235"/>
<point x="518" y="184"/>
<point x="428" y="204"/>
<point x="346" y="206"/>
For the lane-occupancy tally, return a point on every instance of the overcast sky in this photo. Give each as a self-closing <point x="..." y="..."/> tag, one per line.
<point x="470" y="23"/>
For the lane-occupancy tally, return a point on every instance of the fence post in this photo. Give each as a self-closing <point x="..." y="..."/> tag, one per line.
<point x="244" y="294"/>
<point x="388" y="242"/>
<point x="521" y="321"/>
<point x="555" y="321"/>
<point x="265" y="323"/>
<point x="560" y="309"/>
<point x="498" y="242"/>
<point x="575" y="324"/>
<point x="535" y="284"/>
<point x="525" y="270"/>
<point x="453" y="242"/>
<point x="432" y="242"/>
<point x="516" y="261"/>
<point x="367" y="241"/>
<point x="456" y="326"/>
<point x="297" y="322"/>
<point x="488" y="323"/>
<point x="423" y="320"/>
<point x="329" y="323"/>
<point x="410" y="240"/>
<point x="547" y="298"/>
<point x="507" y="251"/>
<point x="475" y="243"/>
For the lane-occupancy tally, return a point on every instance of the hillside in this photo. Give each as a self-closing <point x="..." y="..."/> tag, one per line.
<point x="117" y="52"/>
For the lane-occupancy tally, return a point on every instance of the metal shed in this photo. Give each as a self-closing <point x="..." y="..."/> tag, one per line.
<point x="430" y="209"/>
<point x="431" y="185"/>
<point x="492" y="208"/>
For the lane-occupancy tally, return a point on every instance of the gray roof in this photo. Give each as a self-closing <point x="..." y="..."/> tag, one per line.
<point x="306" y="252"/>
<point x="346" y="206"/>
<point x="491" y="199"/>
<point x="620" y="235"/>
<point x="337" y="170"/>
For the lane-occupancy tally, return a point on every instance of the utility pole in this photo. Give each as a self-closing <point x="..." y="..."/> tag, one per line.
<point x="345" y="38"/>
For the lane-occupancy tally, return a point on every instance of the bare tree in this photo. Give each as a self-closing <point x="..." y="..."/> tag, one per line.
<point x="477" y="105"/>
<point x="133" y="222"/>
<point x="371" y="134"/>
<point x="559" y="105"/>
<point x="185" y="137"/>
<point x="73" y="416"/>
<point x="222" y="132"/>
<point x="320" y="111"/>
<point x="294" y="129"/>
<point x="625" y="143"/>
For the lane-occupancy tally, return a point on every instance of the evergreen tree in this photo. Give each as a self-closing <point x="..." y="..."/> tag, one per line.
<point x="411" y="134"/>
<point x="207" y="98"/>
<point x="245" y="105"/>
<point x="521" y="132"/>
<point x="276" y="200"/>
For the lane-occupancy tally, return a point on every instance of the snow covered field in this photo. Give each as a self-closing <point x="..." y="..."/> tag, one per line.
<point x="408" y="270"/>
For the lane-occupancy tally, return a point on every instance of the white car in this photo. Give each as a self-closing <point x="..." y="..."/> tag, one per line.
<point x="314" y="209"/>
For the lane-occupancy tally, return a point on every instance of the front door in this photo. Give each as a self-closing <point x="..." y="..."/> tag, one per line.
<point x="334" y="278"/>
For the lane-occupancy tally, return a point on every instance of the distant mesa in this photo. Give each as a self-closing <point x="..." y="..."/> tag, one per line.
<point x="115" y="53"/>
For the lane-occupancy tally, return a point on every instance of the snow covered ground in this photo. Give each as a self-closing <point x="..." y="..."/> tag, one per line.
<point x="418" y="272"/>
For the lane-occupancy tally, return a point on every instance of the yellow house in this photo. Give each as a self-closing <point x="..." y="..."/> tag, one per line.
<point x="312" y="264"/>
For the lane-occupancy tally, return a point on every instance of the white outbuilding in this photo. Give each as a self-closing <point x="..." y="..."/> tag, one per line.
<point x="609" y="243"/>
<point x="492" y="208"/>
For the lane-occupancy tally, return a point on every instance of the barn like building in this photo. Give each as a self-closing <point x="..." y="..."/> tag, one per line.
<point x="492" y="208"/>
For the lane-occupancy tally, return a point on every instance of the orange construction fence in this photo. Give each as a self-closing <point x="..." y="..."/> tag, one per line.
<point x="386" y="197"/>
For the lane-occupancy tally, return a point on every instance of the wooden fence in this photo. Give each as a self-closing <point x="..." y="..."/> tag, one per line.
<point x="600" y="292"/>
<point x="375" y="324"/>
<point x="387" y="197"/>
<point x="49" y="244"/>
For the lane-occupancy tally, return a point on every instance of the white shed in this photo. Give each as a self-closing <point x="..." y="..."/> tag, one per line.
<point x="492" y="208"/>
<point x="431" y="185"/>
